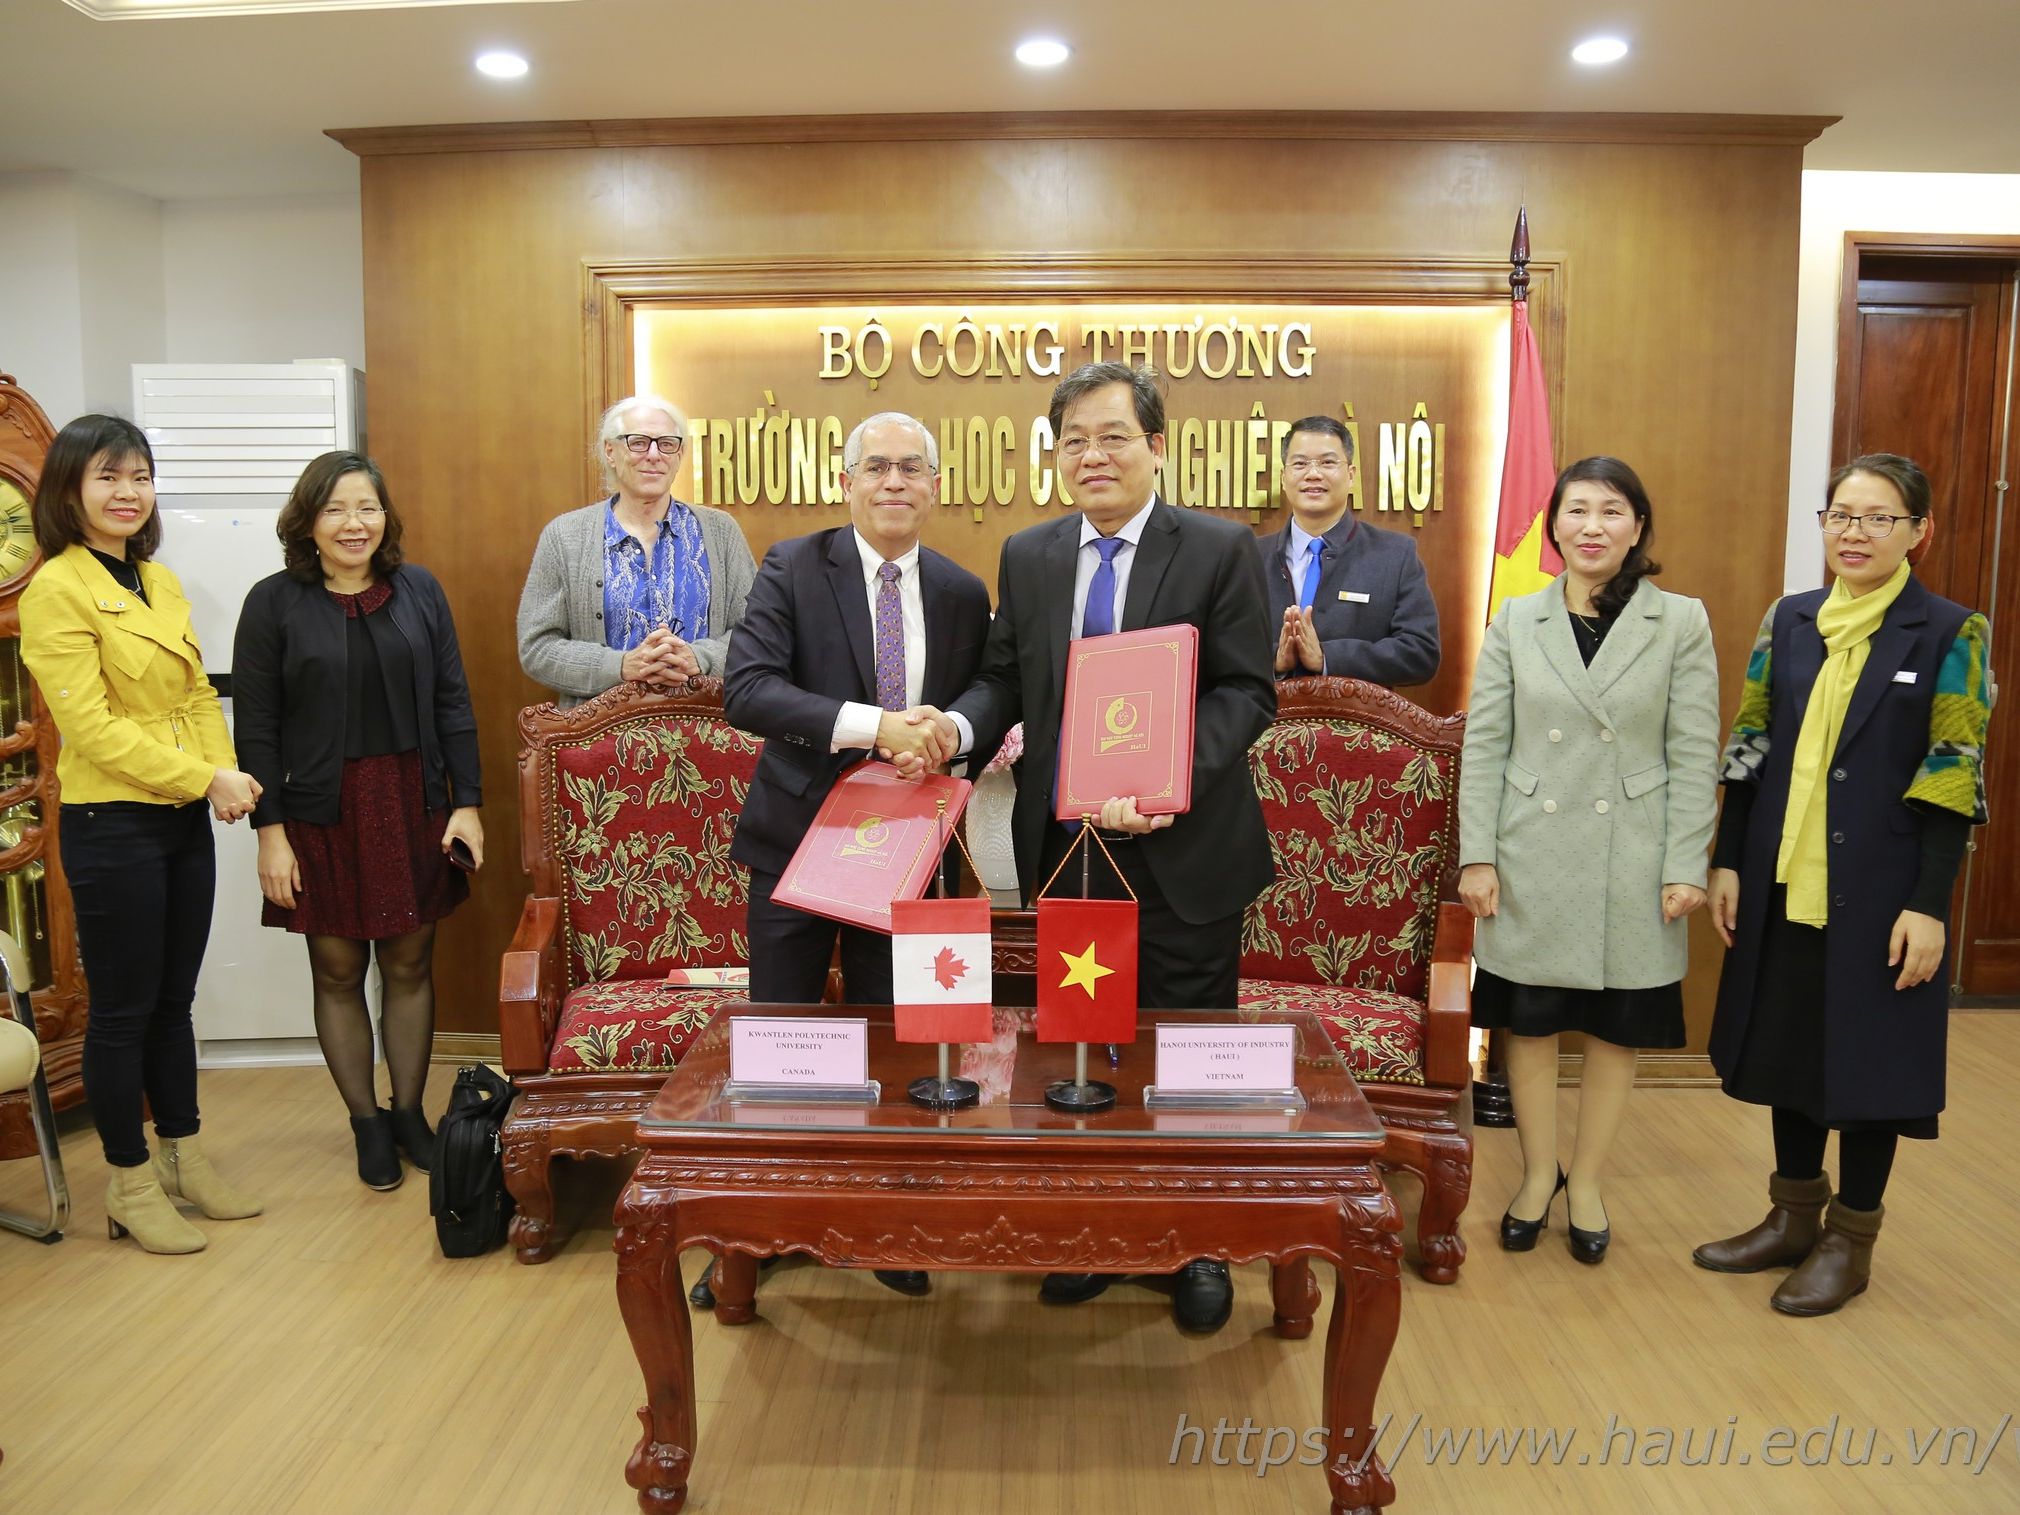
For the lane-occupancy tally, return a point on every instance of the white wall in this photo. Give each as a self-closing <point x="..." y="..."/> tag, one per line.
<point x="120" y="296"/>
<point x="264" y="281"/>
<point x="1833" y="204"/>
<point x="99" y="279"/>
<point x="39" y="341"/>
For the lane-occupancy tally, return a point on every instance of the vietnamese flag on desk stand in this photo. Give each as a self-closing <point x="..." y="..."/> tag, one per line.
<point x="940" y="984"/>
<point x="1086" y="970"/>
<point x="1523" y="561"/>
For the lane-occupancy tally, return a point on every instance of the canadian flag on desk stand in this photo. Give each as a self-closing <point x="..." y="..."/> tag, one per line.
<point x="1086" y="970"/>
<point x="940" y="985"/>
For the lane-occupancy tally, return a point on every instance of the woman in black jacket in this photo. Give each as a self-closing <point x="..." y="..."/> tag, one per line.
<point x="354" y="715"/>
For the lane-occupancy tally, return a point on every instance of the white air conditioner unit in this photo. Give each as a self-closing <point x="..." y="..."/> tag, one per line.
<point x="245" y="428"/>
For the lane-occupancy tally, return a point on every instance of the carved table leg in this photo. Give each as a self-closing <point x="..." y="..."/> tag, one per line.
<point x="654" y="1301"/>
<point x="1296" y="1294"/>
<point x="1367" y="1303"/>
<point x="736" y="1275"/>
<point x="1448" y="1181"/>
<point x="528" y="1169"/>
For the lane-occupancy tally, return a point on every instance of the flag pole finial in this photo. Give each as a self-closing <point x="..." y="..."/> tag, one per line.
<point x="1518" y="256"/>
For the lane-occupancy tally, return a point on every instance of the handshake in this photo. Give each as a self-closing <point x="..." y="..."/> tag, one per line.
<point x="917" y="741"/>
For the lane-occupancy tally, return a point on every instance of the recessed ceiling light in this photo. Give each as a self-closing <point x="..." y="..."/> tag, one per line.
<point x="1597" y="51"/>
<point x="501" y="65"/>
<point x="1043" y="52"/>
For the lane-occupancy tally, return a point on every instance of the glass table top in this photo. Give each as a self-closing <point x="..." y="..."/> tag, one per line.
<point x="1014" y="1071"/>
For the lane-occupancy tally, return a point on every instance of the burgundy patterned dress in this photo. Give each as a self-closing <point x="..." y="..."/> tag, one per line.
<point x="379" y="871"/>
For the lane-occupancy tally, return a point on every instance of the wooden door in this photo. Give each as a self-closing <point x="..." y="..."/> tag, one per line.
<point x="1924" y="365"/>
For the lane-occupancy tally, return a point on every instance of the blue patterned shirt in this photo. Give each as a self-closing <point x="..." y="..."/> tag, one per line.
<point x="670" y="590"/>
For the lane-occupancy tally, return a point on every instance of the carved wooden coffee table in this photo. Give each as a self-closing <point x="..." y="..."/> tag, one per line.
<point x="1009" y="1185"/>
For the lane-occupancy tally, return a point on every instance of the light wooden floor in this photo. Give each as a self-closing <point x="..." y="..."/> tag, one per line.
<point x="324" y="1359"/>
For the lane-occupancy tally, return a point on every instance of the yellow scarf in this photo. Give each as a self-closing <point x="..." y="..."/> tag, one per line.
<point x="1847" y="623"/>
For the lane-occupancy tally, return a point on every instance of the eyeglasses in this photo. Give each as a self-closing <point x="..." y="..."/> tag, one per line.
<point x="639" y="444"/>
<point x="1297" y="467"/>
<point x="364" y="515"/>
<point x="1110" y="443"/>
<point x="911" y="470"/>
<point x="1837" y="522"/>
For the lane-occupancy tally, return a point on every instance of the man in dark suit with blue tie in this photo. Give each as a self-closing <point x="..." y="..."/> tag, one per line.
<point x="1346" y="598"/>
<point x="1124" y="559"/>
<point x="843" y="630"/>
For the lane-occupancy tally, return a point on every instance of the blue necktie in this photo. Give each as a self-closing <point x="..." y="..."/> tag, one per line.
<point x="1098" y="618"/>
<point x="1314" y="567"/>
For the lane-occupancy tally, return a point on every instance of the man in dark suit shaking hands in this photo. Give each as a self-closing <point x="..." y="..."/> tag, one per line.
<point x="843" y="630"/>
<point x="1124" y="560"/>
<point x="1346" y="598"/>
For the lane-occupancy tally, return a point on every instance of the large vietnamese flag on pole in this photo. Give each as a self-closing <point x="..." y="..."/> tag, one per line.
<point x="940" y="983"/>
<point x="1523" y="561"/>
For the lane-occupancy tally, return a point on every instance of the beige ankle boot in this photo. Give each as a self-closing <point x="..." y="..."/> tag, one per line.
<point x="185" y="1173"/>
<point x="135" y="1206"/>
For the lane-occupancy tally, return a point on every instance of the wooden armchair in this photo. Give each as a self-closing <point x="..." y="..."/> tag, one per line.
<point x="626" y="807"/>
<point x="1360" y="789"/>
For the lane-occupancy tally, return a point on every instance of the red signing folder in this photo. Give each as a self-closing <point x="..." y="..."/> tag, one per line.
<point x="1127" y="725"/>
<point x="876" y="839"/>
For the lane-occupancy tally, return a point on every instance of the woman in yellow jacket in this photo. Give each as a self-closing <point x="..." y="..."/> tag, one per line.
<point x="107" y="635"/>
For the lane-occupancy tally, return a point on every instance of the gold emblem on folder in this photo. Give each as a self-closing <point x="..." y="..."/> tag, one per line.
<point x="1123" y="724"/>
<point x="869" y="838"/>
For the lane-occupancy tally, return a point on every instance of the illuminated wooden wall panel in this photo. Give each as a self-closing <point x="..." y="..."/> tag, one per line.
<point x="1669" y="324"/>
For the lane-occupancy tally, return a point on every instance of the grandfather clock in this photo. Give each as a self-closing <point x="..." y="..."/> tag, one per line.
<point x="34" y="900"/>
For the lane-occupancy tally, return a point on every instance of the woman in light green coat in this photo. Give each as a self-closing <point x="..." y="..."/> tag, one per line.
<point x="1586" y="804"/>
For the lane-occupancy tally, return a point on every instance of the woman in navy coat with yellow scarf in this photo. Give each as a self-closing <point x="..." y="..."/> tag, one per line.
<point x="1853" y="776"/>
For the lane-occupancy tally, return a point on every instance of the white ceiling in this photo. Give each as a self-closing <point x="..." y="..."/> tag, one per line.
<point x="237" y="106"/>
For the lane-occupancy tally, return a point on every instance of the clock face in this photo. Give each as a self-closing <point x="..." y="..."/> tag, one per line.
<point x="17" y="531"/>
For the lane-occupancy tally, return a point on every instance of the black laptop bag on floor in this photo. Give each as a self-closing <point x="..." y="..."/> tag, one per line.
<point x="466" y="1186"/>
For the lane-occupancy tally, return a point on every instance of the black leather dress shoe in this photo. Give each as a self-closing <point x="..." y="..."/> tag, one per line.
<point x="912" y="1281"/>
<point x="702" y="1295"/>
<point x="1073" y="1288"/>
<point x="1590" y="1246"/>
<point x="1520" y="1235"/>
<point x="1202" y="1296"/>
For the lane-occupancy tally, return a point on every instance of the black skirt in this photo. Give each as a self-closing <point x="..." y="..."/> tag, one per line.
<point x="1781" y="1062"/>
<point x="1625" y="1017"/>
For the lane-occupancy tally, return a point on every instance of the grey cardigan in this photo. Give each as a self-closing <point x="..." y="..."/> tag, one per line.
<point x="561" y="608"/>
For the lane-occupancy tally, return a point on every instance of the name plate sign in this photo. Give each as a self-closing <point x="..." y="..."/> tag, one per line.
<point x="1226" y="1059"/>
<point x="815" y="1052"/>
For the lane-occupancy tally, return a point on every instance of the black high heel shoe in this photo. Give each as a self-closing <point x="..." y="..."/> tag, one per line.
<point x="1520" y="1235"/>
<point x="1588" y="1246"/>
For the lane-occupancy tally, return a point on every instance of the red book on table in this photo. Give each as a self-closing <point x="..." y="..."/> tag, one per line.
<point x="1127" y="724"/>
<point x="877" y="838"/>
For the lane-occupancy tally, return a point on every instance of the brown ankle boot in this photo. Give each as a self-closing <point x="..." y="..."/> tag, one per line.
<point x="1839" y="1266"/>
<point x="1784" y="1238"/>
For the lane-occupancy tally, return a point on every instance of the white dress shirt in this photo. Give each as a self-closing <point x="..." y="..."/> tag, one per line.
<point x="856" y="725"/>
